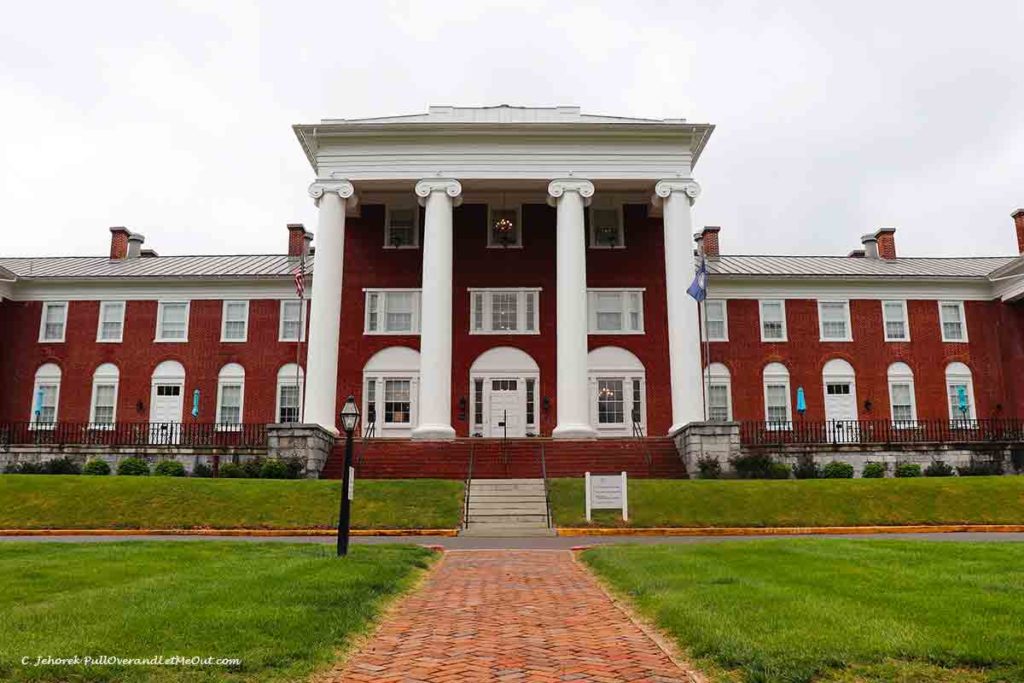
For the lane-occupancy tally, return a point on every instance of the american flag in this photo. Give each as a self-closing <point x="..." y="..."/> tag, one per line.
<point x="300" y="281"/>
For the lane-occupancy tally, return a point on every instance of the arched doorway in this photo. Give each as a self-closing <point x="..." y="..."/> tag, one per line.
<point x="391" y="391"/>
<point x="505" y="384"/>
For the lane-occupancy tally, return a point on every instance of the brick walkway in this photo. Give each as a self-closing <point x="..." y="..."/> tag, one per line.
<point x="509" y="616"/>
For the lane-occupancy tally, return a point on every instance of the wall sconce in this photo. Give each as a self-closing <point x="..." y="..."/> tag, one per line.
<point x="140" y="407"/>
<point x="868" y="405"/>
<point x="546" y="404"/>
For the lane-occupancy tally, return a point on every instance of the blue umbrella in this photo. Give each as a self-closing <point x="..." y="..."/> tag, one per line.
<point x="801" y="402"/>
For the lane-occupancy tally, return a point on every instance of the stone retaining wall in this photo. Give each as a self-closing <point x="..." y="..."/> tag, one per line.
<point x="113" y="455"/>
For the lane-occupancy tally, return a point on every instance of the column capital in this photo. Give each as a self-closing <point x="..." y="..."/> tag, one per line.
<point x="450" y="186"/>
<point x="339" y="186"/>
<point x="664" y="188"/>
<point x="559" y="186"/>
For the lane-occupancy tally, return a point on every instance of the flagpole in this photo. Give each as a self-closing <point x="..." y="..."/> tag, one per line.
<point x="702" y="325"/>
<point x="298" y="339"/>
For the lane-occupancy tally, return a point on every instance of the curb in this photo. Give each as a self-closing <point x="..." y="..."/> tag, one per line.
<point x="791" y="531"/>
<point x="226" y="532"/>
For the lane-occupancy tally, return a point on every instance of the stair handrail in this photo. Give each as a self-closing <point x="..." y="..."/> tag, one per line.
<point x="645" y="450"/>
<point x="469" y="482"/>
<point x="544" y="477"/>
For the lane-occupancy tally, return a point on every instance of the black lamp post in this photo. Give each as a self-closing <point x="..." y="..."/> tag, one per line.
<point x="349" y="420"/>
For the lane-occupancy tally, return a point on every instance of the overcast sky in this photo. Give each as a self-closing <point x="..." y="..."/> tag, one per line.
<point x="833" y="119"/>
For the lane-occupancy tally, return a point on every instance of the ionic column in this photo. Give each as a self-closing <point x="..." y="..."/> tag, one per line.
<point x="332" y="197"/>
<point x="439" y="196"/>
<point x="676" y="196"/>
<point x="570" y="196"/>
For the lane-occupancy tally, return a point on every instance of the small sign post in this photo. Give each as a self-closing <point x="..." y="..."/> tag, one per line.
<point x="351" y="483"/>
<point x="607" y="492"/>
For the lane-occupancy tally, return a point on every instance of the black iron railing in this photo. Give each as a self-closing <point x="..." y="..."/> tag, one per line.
<point x="881" y="432"/>
<point x="188" y="435"/>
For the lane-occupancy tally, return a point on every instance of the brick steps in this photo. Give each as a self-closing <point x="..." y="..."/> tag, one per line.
<point x="518" y="458"/>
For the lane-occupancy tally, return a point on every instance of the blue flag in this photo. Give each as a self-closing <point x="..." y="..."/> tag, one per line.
<point x="698" y="289"/>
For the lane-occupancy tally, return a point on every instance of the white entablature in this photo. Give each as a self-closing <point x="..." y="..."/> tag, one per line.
<point x="507" y="143"/>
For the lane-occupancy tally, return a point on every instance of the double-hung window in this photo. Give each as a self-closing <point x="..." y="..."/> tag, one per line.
<point x="611" y="404"/>
<point x="111" y="322"/>
<point x="172" y="321"/>
<point x="901" y="394"/>
<point x="235" y="321"/>
<point x="293" y="320"/>
<point x="504" y="311"/>
<point x="45" y="396"/>
<point x="397" y="401"/>
<point x="719" y="392"/>
<point x="716" y="324"/>
<point x="773" y="321"/>
<point x="392" y="311"/>
<point x="606" y="231"/>
<point x="778" y="412"/>
<point x="954" y="325"/>
<point x="102" y="412"/>
<point x="834" y="319"/>
<point x="401" y="229"/>
<point x="230" y="394"/>
<point x="894" y="317"/>
<point x="615" y="311"/>
<point x="53" y="321"/>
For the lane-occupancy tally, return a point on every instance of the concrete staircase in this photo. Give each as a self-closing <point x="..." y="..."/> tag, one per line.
<point x="507" y="507"/>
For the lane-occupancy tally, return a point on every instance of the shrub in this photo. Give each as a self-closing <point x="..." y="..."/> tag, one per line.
<point x="837" y="470"/>
<point x="938" y="468"/>
<point x="709" y="468"/>
<point x="806" y="469"/>
<point x="907" y="469"/>
<point x="253" y="467"/>
<point x="874" y="470"/>
<point x="169" y="468"/>
<point x="753" y="466"/>
<point x="100" y="467"/>
<point x="63" y="465"/>
<point x="273" y="468"/>
<point x="779" y="470"/>
<point x="981" y="468"/>
<point x="1017" y="459"/>
<point x="24" y="468"/>
<point x="232" y="470"/>
<point x="202" y="470"/>
<point x="133" y="467"/>
<point x="296" y="467"/>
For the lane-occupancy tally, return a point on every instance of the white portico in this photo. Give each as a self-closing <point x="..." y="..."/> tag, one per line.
<point x="451" y="155"/>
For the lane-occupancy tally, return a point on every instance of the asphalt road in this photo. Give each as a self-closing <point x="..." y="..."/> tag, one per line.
<point x="541" y="543"/>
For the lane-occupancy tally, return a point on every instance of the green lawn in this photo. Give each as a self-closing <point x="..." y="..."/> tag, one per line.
<point x="814" y="502"/>
<point x="82" y="502"/>
<point x="283" y="609"/>
<point x="802" y="610"/>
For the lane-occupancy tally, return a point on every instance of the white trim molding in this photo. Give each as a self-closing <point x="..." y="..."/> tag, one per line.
<point x="160" y="310"/>
<point x="962" y="322"/>
<point x="104" y="305"/>
<point x="228" y="303"/>
<point x="848" y="336"/>
<point x="43" y="315"/>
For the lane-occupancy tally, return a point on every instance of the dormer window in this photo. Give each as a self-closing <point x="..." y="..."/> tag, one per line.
<point x="401" y="229"/>
<point x="606" y="230"/>
<point x="503" y="229"/>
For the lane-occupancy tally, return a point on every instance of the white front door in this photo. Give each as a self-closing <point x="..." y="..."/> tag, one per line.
<point x="841" y="410"/>
<point x="165" y="413"/>
<point x="508" y="408"/>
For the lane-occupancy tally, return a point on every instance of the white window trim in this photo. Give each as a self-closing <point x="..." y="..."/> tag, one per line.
<point x="230" y="381"/>
<point x="99" y="323"/>
<point x="63" y="325"/>
<point x="725" y="321"/>
<point x="394" y="428"/>
<point x="718" y="380"/>
<point x="289" y="382"/>
<point x="417" y="302"/>
<point x="36" y="384"/>
<point x="415" y="226"/>
<point x="224" y="322"/>
<point x="620" y="243"/>
<point x="518" y="244"/>
<point x="777" y="379"/>
<point x="623" y="291"/>
<point x="913" y="401"/>
<point x="963" y="322"/>
<point x="760" y="320"/>
<point x="303" y="320"/>
<point x="92" y="402"/>
<point x="967" y="379"/>
<point x="906" y="321"/>
<point x="520" y="310"/>
<point x="160" y="320"/>
<point x="821" y="321"/>
<point x="624" y="428"/>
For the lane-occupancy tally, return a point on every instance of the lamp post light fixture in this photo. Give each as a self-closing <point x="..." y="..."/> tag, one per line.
<point x="349" y="419"/>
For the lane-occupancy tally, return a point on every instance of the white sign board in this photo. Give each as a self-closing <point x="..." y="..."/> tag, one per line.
<point x="351" y="483"/>
<point x="607" y="492"/>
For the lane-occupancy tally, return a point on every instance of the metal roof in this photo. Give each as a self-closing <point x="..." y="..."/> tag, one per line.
<point x="852" y="267"/>
<point x="75" y="267"/>
<point x="503" y="113"/>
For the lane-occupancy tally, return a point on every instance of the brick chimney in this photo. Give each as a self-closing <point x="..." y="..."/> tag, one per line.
<point x="298" y="245"/>
<point x="709" y="241"/>
<point x="1018" y="222"/>
<point x="119" y="242"/>
<point x="886" y="243"/>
